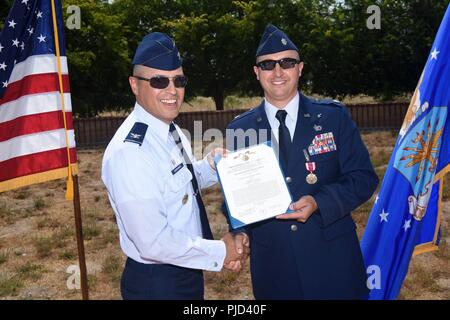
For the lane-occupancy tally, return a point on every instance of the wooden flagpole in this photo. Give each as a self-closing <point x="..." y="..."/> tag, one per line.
<point x="80" y="243"/>
<point x="72" y="180"/>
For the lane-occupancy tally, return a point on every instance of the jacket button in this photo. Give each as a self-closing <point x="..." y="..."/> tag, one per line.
<point x="288" y="179"/>
<point x="293" y="227"/>
<point x="215" y="264"/>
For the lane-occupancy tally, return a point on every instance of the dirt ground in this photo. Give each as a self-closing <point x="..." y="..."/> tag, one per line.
<point x="38" y="246"/>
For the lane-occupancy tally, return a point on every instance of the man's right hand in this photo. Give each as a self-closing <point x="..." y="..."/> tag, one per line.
<point x="238" y="249"/>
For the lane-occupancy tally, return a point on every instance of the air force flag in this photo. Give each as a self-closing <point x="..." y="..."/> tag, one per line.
<point x="405" y="219"/>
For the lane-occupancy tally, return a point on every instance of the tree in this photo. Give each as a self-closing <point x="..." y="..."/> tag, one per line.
<point x="218" y="40"/>
<point x="5" y="5"/>
<point x="98" y="58"/>
<point x="348" y="58"/>
<point x="214" y="45"/>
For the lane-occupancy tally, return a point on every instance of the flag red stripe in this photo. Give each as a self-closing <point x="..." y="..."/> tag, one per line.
<point x="35" y="163"/>
<point x="35" y="83"/>
<point x="34" y="123"/>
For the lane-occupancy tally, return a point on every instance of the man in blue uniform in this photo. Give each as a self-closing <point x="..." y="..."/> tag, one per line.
<point x="154" y="184"/>
<point x="312" y="253"/>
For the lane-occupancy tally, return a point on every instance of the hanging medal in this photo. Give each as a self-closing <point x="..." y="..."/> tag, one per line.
<point x="311" y="178"/>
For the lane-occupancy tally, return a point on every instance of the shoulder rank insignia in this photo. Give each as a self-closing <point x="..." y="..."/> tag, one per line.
<point x="137" y="133"/>
<point x="244" y="114"/>
<point x="335" y="103"/>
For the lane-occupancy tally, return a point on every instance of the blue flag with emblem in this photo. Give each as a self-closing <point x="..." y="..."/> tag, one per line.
<point x="405" y="219"/>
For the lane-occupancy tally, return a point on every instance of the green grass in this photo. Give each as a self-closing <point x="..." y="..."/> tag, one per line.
<point x="92" y="281"/>
<point x="225" y="281"/>
<point x="112" y="266"/>
<point x="22" y="194"/>
<point x="446" y="189"/>
<point x="6" y="213"/>
<point x="3" y="257"/>
<point x="39" y="203"/>
<point x="443" y="252"/>
<point x="9" y="284"/>
<point x="90" y="230"/>
<point x="43" y="246"/>
<point x="108" y="236"/>
<point x="48" y="222"/>
<point x="380" y="156"/>
<point x="30" y="271"/>
<point x="67" y="255"/>
<point x="64" y="233"/>
<point x="420" y="280"/>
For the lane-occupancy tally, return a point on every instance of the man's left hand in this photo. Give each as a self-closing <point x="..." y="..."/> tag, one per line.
<point x="303" y="208"/>
<point x="215" y="152"/>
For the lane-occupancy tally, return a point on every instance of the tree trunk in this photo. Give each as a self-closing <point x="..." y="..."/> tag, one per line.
<point x="219" y="99"/>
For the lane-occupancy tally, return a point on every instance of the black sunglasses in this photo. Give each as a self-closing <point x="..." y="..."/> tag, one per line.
<point x="285" y="63"/>
<point x="161" y="82"/>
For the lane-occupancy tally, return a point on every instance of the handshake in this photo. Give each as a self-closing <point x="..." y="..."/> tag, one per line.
<point x="238" y="249"/>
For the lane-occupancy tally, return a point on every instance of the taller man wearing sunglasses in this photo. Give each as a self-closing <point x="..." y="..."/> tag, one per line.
<point x="314" y="252"/>
<point x="154" y="183"/>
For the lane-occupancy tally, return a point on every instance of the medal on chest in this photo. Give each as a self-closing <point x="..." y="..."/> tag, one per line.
<point x="311" y="178"/>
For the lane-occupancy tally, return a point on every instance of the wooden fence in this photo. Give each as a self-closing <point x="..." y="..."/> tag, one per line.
<point x="97" y="132"/>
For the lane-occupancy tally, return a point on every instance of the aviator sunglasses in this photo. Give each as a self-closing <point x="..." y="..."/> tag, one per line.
<point x="285" y="63"/>
<point x="162" y="82"/>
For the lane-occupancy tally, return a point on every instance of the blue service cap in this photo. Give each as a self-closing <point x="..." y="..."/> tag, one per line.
<point x="157" y="50"/>
<point x="274" y="40"/>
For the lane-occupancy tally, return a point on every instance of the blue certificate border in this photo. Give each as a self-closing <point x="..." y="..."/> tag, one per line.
<point x="236" y="223"/>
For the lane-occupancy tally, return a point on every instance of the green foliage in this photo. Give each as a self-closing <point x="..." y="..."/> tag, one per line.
<point x="43" y="246"/>
<point x="30" y="271"/>
<point x="113" y="267"/>
<point x="218" y="41"/>
<point x="5" y="5"/>
<point x="9" y="284"/>
<point x="98" y="59"/>
<point x="39" y="203"/>
<point x="3" y="257"/>
<point x="90" y="230"/>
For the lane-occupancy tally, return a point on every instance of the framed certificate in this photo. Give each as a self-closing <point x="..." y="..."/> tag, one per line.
<point x="253" y="185"/>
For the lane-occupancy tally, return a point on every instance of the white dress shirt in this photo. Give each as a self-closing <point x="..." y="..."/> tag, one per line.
<point x="156" y="210"/>
<point x="291" y="118"/>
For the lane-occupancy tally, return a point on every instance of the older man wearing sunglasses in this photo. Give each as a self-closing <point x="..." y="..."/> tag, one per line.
<point x="312" y="253"/>
<point x="154" y="184"/>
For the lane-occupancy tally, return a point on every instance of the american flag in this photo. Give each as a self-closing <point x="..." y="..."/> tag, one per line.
<point x="33" y="144"/>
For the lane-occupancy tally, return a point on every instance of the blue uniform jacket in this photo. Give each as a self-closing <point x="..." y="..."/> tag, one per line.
<point x="319" y="259"/>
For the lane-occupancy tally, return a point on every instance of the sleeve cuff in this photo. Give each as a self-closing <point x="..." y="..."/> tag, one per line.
<point x="217" y="253"/>
<point x="328" y="209"/>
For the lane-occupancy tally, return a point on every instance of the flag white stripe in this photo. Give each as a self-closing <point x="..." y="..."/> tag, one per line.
<point x="36" y="142"/>
<point x="44" y="63"/>
<point x="34" y="104"/>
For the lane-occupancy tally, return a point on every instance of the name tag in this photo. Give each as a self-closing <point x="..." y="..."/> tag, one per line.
<point x="177" y="168"/>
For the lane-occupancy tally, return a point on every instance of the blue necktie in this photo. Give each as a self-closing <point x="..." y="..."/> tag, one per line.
<point x="284" y="138"/>
<point x="206" y="230"/>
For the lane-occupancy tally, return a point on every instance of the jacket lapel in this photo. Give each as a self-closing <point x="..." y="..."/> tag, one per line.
<point x="304" y="133"/>
<point x="262" y="123"/>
